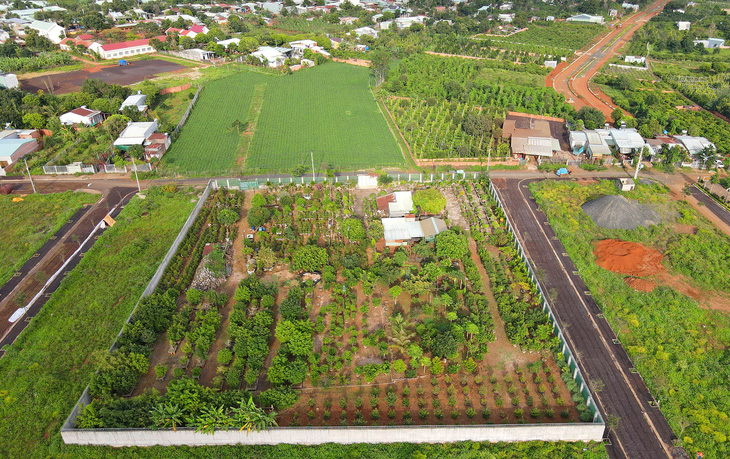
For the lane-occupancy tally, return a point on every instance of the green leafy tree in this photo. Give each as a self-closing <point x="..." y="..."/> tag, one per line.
<point x="353" y="229"/>
<point x="451" y="245"/>
<point x="167" y="416"/>
<point x="34" y="120"/>
<point x="309" y="258"/>
<point x="431" y="201"/>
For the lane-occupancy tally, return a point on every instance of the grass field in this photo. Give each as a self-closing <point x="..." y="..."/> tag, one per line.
<point x="327" y="110"/>
<point x="28" y="224"/>
<point x="44" y="372"/>
<point x="678" y="343"/>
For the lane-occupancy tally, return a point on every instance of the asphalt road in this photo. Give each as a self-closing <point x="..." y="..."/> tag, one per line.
<point x="642" y="431"/>
<point x="51" y="258"/>
<point x="721" y="212"/>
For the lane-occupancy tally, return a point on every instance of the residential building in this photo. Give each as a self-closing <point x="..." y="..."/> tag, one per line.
<point x="82" y="115"/>
<point x="125" y="48"/>
<point x="50" y="30"/>
<point x="135" y="134"/>
<point x="683" y="25"/>
<point x="506" y="17"/>
<point x="587" y="18"/>
<point x="8" y="80"/>
<point x="299" y="46"/>
<point x="627" y="141"/>
<point x="630" y="6"/>
<point x="711" y="43"/>
<point x="592" y="143"/>
<point x="635" y="59"/>
<point x="13" y="147"/>
<point x="529" y="135"/>
<point x="135" y="100"/>
<point x="156" y="145"/>
<point x="550" y="64"/>
<point x="694" y="145"/>
<point x="366" y="31"/>
<point x="405" y="230"/>
<point x="273" y="57"/>
<point x="396" y="204"/>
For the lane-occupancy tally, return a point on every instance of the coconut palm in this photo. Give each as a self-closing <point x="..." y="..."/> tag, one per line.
<point x="399" y="334"/>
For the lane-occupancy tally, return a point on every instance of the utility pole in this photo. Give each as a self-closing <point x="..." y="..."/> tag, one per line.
<point x="489" y="158"/>
<point x="135" y="174"/>
<point x="29" y="176"/>
<point x="311" y="155"/>
<point x="638" y="165"/>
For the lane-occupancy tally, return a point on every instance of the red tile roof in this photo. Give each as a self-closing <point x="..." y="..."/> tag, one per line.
<point x="130" y="44"/>
<point x="197" y="28"/>
<point x="85" y="36"/>
<point x="384" y="200"/>
<point x="159" y="136"/>
<point x="81" y="111"/>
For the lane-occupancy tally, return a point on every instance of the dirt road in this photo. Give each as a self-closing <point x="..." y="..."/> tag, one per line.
<point x="572" y="79"/>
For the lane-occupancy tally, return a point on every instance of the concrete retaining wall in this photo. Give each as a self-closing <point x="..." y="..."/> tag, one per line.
<point x="343" y="435"/>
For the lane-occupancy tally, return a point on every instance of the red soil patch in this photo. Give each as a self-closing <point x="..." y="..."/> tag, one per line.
<point x="628" y="258"/>
<point x="641" y="285"/>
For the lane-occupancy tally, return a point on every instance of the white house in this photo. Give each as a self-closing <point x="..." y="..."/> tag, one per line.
<point x="135" y="134"/>
<point x="635" y="59"/>
<point x="396" y="204"/>
<point x="630" y="6"/>
<point x="125" y="48"/>
<point x="627" y="140"/>
<point x="694" y="145"/>
<point x="402" y="231"/>
<point x="229" y="42"/>
<point x="82" y="115"/>
<point x="50" y="30"/>
<point x="135" y="100"/>
<point x="683" y="25"/>
<point x="273" y="57"/>
<point x="550" y="64"/>
<point x="587" y="18"/>
<point x="4" y="36"/>
<point x="506" y="17"/>
<point x="299" y="46"/>
<point x="505" y="6"/>
<point x="366" y="31"/>
<point x="711" y="43"/>
<point x="407" y="21"/>
<point x="8" y="80"/>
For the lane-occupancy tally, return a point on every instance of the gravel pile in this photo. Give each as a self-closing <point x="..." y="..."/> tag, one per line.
<point x="617" y="212"/>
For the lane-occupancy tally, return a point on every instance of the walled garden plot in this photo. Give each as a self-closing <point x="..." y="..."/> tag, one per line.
<point x="299" y="314"/>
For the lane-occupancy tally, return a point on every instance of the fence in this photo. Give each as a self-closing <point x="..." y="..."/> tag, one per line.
<point x="74" y="168"/>
<point x="112" y="169"/>
<point x="342" y="435"/>
<point x="557" y="329"/>
<point x="187" y="111"/>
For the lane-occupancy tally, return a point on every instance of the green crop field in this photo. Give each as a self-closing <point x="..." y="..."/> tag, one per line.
<point x="326" y="110"/>
<point x="28" y="224"/>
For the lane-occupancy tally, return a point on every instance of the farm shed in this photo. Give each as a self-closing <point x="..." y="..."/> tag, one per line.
<point x="135" y="134"/>
<point x="404" y="230"/>
<point x="125" y="48"/>
<point x="529" y="135"/>
<point x="625" y="184"/>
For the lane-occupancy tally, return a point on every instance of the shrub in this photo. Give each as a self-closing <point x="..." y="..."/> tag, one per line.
<point x="518" y="413"/>
<point x="549" y="413"/>
<point x="391" y="414"/>
<point x="225" y="356"/>
<point x="326" y="415"/>
<point x="399" y="366"/>
<point x="565" y="414"/>
<point x="535" y="413"/>
<point x="454" y="414"/>
<point x="438" y="413"/>
<point x="375" y="414"/>
<point x="423" y="413"/>
<point x="470" y="413"/>
<point x="486" y="413"/>
<point x="194" y="296"/>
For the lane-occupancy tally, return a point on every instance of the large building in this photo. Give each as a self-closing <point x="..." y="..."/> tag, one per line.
<point x="125" y="48"/>
<point x="587" y="18"/>
<point x="50" y="30"/>
<point x="531" y="135"/>
<point x="16" y="143"/>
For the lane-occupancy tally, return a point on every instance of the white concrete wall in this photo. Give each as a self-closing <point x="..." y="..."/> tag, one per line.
<point x="342" y="435"/>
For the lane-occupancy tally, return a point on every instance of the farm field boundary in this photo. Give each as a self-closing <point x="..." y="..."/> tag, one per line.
<point x="343" y="435"/>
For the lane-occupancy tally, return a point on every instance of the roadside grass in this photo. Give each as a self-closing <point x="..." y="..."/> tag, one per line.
<point x="45" y="371"/>
<point x="28" y="224"/>
<point x="680" y="348"/>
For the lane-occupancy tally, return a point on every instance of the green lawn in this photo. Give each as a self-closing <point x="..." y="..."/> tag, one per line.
<point x="326" y="110"/>
<point x="679" y="346"/>
<point x="44" y="372"/>
<point x="28" y="224"/>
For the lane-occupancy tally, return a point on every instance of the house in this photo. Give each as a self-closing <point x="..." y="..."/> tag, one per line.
<point x="694" y="145"/>
<point x="407" y="21"/>
<point x="13" y="147"/>
<point x="8" y="80"/>
<point x="505" y="6"/>
<point x="82" y="115"/>
<point x="193" y="31"/>
<point x="550" y="18"/>
<point x="125" y="48"/>
<point x="197" y="54"/>
<point x="529" y="135"/>
<point x="630" y="6"/>
<point x="299" y="46"/>
<point x="367" y="182"/>
<point x="272" y="7"/>
<point x="506" y="17"/>
<point x="77" y="41"/>
<point x="591" y="142"/>
<point x="625" y="184"/>
<point x="683" y="25"/>
<point x="135" y="100"/>
<point x="50" y="30"/>
<point x="627" y="141"/>
<point x="613" y="13"/>
<point x="587" y="18"/>
<point x="366" y="31"/>
<point x="711" y="43"/>
<point x="395" y="204"/>
<point x="348" y="20"/>
<point x="405" y="230"/>
<point x="4" y="36"/>
<point x="231" y="41"/>
<point x="635" y="59"/>
<point x="156" y="145"/>
<point x="657" y="144"/>
<point x="135" y="134"/>
<point x="273" y="57"/>
<point x="550" y="64"/>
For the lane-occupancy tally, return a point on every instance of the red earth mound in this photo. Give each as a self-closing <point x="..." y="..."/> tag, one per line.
<point x="641" y="285"/>
<point x="629" y="258"/>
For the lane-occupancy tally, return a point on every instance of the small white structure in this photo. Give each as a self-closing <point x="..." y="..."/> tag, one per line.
<point x="551" y="64"/>
<point x="273" y="57"/>
<point x="406" y="21"/>
<point x="683" y="25"/>
<point x="135" y="134"/>
<point x="366" y="31"/>
<point x="505" y="6"/>
<point x="402" y="231"/>
<point x="8" y="80"/>
<point x="82" y="115"/>
<point x="635" y="59"/>
<point x="50" y="30"/>
<point x="625" y="184"/>
<point x="711" y="43"/>
<point x="229" y="42"/>
<point x="630" y="6"/>
<point x="506" y="17"/>
<point x="694" y="145"/>
<point x="587" y="18"/>
<point x="367" y="182"/>
<point x="135" y="100"/>
<point x="299" y="46"/>
<point x="550" y="18"/>
<point x="396" y="204"/>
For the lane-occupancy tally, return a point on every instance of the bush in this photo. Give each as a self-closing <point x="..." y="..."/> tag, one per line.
<point x="225" y="356"/>
<point x="518" y="413"/>
<point x="194" y="296"/>
<point x="399" y="366"/>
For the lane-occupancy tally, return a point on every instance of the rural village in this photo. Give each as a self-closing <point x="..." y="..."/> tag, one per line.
<point x="384" y="229"/>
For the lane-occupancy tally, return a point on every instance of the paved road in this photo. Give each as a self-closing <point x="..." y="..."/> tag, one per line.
<point x="643" y="432"/>
<point x="52" y="256"/>
<point x="712" y="205"/>
<point x="572" y="79"/>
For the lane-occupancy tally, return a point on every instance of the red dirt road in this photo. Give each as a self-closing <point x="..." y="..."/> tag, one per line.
<point x="572" y="78"/>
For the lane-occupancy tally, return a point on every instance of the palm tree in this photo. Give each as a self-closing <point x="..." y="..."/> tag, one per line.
<point x="399" y="333"/>
<point x="251" y="417"/>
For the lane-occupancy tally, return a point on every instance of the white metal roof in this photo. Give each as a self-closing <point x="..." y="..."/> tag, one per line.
<point x="398" y="229"/>
<point x="403" y="202"/>
<point x="694" y="144"/>
<point x="627" y="138"/>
